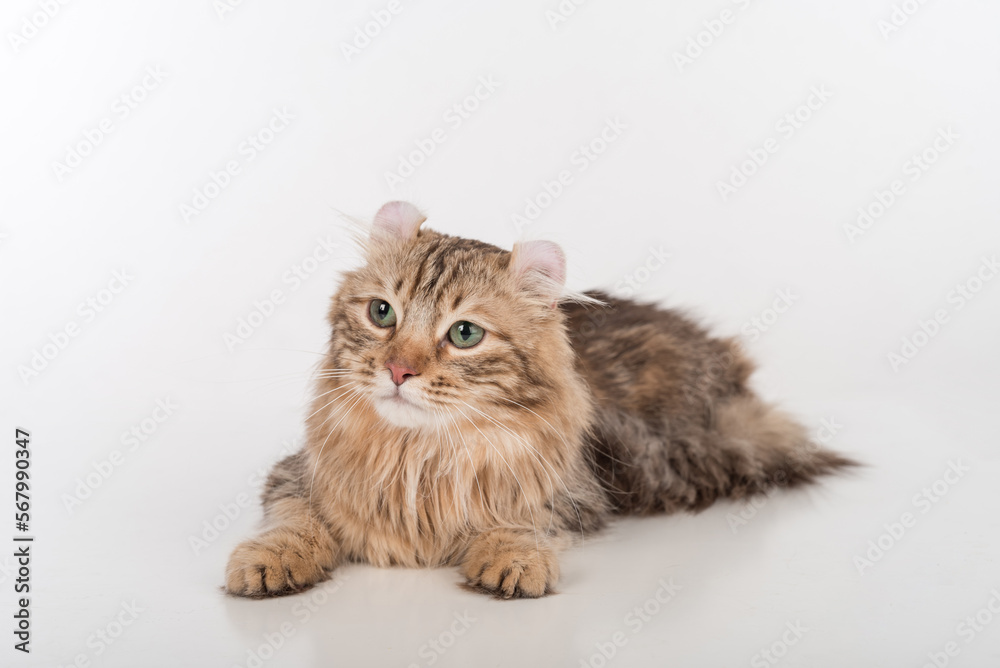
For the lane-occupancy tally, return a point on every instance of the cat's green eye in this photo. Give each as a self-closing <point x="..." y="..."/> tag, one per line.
<point x="464" y="334"/>
<point x="382" y="314"/>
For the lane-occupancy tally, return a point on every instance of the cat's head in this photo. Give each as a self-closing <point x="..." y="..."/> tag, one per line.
<point x="436" y="329"/>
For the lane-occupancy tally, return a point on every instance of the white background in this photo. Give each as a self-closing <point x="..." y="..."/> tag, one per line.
<point x="826" y="357"/>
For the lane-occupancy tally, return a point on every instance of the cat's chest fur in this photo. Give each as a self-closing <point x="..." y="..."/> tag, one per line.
<point x="414" y="498"/>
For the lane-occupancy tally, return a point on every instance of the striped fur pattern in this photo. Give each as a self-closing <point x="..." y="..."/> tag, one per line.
<point x="494" y="458"/>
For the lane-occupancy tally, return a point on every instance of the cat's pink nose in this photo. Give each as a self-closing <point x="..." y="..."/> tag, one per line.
<point x="400" y="372"/>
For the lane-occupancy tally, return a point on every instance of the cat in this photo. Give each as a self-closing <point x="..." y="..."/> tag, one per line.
<point x="469" y="413"/>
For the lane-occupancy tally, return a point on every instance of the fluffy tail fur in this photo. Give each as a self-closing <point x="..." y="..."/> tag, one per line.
<point x="748" y="448"/>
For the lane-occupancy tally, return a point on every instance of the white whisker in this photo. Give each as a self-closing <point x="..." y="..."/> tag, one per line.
<point x="329" y="433"/>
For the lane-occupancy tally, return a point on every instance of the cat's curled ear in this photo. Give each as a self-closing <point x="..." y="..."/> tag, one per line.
<point x="400" y="220"/>
<point x="540" y="266"/>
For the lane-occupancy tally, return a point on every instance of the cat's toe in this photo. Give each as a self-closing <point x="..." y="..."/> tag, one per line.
<point x="512" y="580"/>
<point x="513" y="573"/>
<point x="258" y="568"/>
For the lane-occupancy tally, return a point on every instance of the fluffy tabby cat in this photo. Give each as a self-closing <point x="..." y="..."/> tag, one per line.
<point x="467" y="414"/>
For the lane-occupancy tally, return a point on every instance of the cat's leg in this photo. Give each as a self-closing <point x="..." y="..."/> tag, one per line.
<point x="512" y="563"/>
<point x="295" y="550"/>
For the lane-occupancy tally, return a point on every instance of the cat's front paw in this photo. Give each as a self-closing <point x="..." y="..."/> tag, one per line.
<point x="272" y="565"/>
<point x="511" y="564"/>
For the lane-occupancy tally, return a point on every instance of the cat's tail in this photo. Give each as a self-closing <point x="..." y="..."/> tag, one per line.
<point x="749" y="448"/>
<point x="768" y="448"/>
